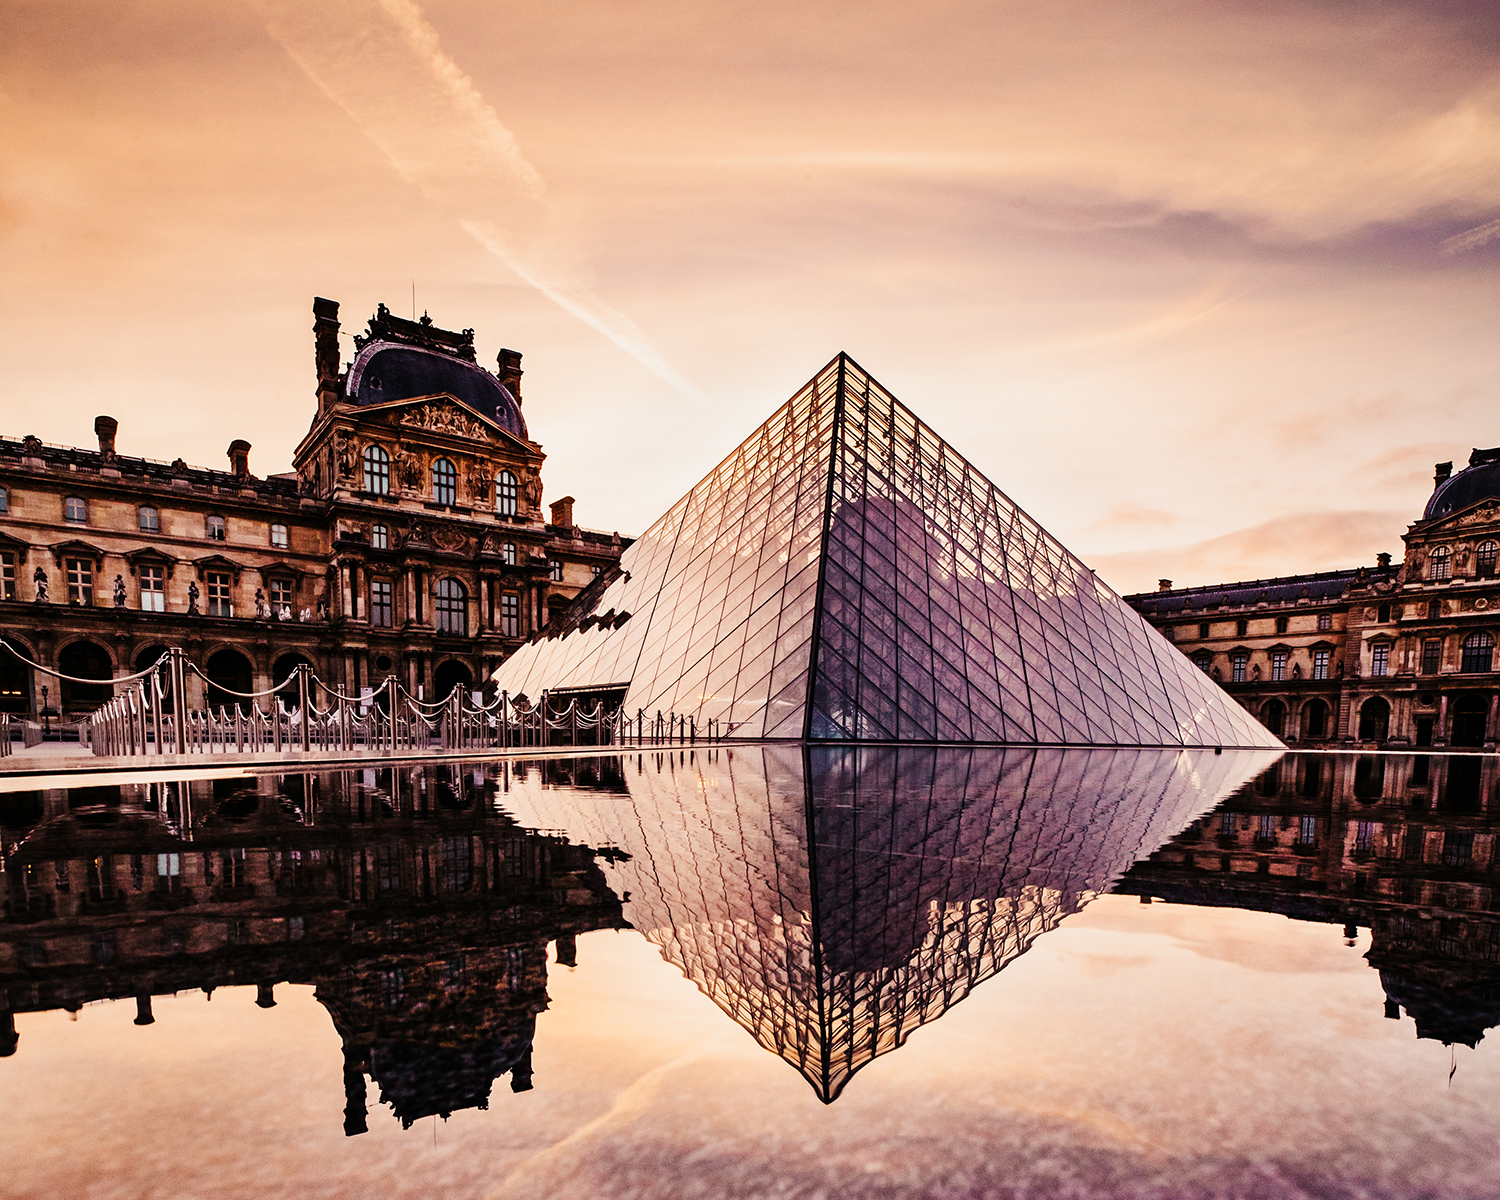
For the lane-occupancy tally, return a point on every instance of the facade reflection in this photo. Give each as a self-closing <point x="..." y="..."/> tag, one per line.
<point x="419" y="913"/>
<point x="1402" y="845"/>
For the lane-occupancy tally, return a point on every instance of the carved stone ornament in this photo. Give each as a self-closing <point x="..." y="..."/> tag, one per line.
<point x="479" y="485"/>
<point x="531" y="489"/>
<point x="445" y="537"/>
<point x="345" y="453"/>
<point x="408" y="468"/>
<point x="444" y="418"/>
<point x="1481" y="603"/>
<point x="31" y="445"/>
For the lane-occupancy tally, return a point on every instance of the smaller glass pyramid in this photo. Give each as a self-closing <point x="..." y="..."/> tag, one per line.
<point x="846" y="575"/>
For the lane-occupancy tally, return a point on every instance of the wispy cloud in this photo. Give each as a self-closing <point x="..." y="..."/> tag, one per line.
<point x="382" y="62"/>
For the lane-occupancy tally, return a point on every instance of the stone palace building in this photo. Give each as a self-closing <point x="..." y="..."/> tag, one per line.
<point x="407" y="539"/>
<point x="1396" y="655"/>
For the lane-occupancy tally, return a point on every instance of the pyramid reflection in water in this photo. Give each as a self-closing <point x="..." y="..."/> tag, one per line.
<point x="832" y="899"/>
<point x="846" y="575"/>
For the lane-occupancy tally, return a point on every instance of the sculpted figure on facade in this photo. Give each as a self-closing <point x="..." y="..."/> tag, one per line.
<point x="193" y="594"/>
<point x="444" y="418"/>
<point x="531" y="491"/>
<point x="345" y="455"/>
<point x="119" y="591"/>
<point x="479" y="481"/>
<point x="408" y="468"/>
<point x="39" y="581"/>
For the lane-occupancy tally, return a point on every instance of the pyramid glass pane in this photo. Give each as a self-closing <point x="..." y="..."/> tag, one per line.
<point x="847" y="575"/>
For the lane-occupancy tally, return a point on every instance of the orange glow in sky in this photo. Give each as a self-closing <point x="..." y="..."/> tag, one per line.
<point x="1206" y="287"/>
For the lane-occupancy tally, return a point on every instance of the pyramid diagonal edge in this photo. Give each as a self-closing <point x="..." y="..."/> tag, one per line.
<point x="846" y="575"/>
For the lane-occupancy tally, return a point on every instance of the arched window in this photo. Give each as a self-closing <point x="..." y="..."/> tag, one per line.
<point x="1273" y="716"/>
<point x="75" y="511"/>
<point x="150" y="519"/>
<point x="1440" y="563"/>
<point x="1374" y="719"/>
<point x="452" y="608"/>
<point x="377" y="471"/>
<point x="1315" y="719"/>
<point x="444" y="482"/>
<point x="1484" y="559"/>
<point x="506" y="493"/>
<point x="1479" y="649"/>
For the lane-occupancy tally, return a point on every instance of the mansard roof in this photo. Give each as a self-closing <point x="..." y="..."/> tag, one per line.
<point x="1324" y="585"/>
<point x="1480" y="480"/>
<point x="133" y="469"/>
<point x="402" y="360"/>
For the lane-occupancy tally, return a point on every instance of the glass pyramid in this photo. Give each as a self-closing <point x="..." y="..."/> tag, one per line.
<point x="846" y="575"/>
<point x="831" y="899"/>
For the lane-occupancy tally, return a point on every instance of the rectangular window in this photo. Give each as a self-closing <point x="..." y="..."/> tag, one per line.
<point x="1432" y="656"/>
<point x="1380" y="659"/>
<point x="150" y="520"/>
<point x="508" y="554"/>
<point x="1325" y="622"/>
<point x="75" y="511"/>
<point x="80" y="580"/>
<point x="381" y="612"/>
<point x="380" y="537"/>
<point x="220" y="598"/>
<point x="1281" y="624"/>
<point x="510" y="614"/>
<point x="1227" y="825"/>
<point x="281" y="599"/>
<point x="1364" y="837"/>
<point x="1169" y="632"/>
<point x="7" y="575"/>
<point x="278" y="536"/>
<point x="1458" y="847"/>
<point x="1203" y="629"/>
<point x="1440" y="565"/>
<point x="153" y="589"/>
<point x="554" y="570"/>
<point x="1320" y="664"/>
<point x="1307" y="832"/>
<point x="1203" y="661"/>
<point x="1237" y="663"/>
<point x="1278" y="664"/>
<point x="4" y="500"/>
<point x="214" y="528"/>
<point x="1267" y="827"/>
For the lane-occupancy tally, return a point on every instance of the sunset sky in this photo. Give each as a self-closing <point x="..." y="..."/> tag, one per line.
<point x="1207" y="287"/>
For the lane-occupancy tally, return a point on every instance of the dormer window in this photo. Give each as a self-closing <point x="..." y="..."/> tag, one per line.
<point x="1440" y="563"/>
<point x="444" y="482"/>
<point x="507" y="493"/>
<point x="75" y="511"/>
<point x="508" y="554"/>
<point x="377" y="471"/>
<point x="1484" y="560"/>
<point x="380" y="537"/>
<point x="214" y="528"/>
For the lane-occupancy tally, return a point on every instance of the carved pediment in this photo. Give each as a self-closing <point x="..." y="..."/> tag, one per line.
<point x="17" y="547"/>
<point x="150" y="556"/>
<point x="279" y="570"/>
<point x="77" y="549"/>
<point x="217" y="562"/>
<point x="446" y="414"/>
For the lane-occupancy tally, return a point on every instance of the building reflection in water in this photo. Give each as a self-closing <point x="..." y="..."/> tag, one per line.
<point x="831" y="899"/>
<point x="1402" y="845"/>
<point x="828" y="899"/>
<point x="419" y="913"/>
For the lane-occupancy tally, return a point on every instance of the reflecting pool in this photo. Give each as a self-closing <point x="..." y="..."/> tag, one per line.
<point x="766" y="970"/>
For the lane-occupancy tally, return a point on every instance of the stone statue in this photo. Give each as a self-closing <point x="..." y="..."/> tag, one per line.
<point x="408" y="469"/>
<point x="39" y="578"/>
<point x="479" y="483"/>
<point x="1296" y="670"/>
<point x="261" y="611"/>
<point x="193" y="594"/>
<point x="119" y="591"/>
<point x="345" y="455"/>
<point x="322" y="608"/>
<point x="531" y="489"/>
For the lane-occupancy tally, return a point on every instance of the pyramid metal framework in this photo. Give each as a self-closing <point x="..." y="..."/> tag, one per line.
<point x="831" y="899"/>
<point x="846" y="575"/>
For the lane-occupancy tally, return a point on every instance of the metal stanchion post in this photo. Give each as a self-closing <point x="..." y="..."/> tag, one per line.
<point x="303" y="708"/>
<point x="179" y="700"/>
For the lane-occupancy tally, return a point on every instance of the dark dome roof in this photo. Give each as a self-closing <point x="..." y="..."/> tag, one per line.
<point x="1480" y="480"/>
<point x="385" y="371"/>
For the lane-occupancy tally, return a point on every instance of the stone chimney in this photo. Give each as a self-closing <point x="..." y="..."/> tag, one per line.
<point x="326" y="351"/>
<point x="1163" y="585"/>
<point x="508" y="367"/>
<point x="239" y="458"/>
<point x="562" y="512"/>
<point x="1441" y="472"/>
<point x="105" y="427"/>
<point x="1382" y="560"/>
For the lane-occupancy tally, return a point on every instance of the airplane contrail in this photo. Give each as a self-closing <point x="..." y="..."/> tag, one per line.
<point x="1471" y="239"/>
<point x="384" y="65"/>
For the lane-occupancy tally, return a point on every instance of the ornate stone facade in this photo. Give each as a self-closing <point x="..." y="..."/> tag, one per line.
<point x="408" y="539"/>
<point x="1398" y="655"/>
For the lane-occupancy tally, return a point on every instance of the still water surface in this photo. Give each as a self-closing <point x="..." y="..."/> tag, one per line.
<point x="759" y="971"/>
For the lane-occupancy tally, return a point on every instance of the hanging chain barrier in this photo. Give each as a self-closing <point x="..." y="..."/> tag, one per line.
<point x="151" y="716"/>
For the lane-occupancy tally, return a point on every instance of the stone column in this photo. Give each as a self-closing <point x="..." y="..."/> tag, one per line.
<point x="1440" y="733"/>
<point x="1490" y="732"/>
